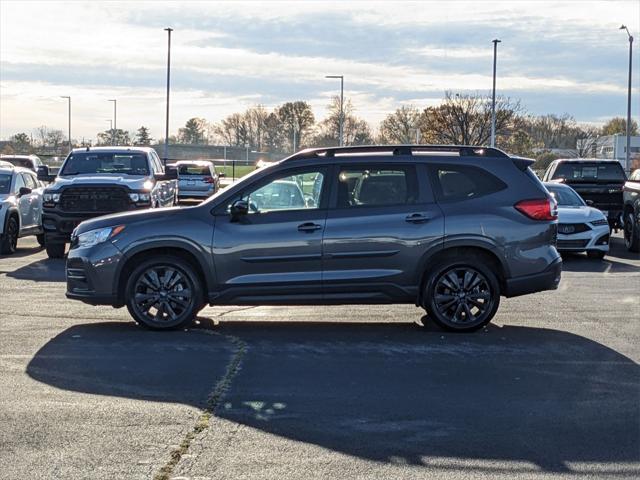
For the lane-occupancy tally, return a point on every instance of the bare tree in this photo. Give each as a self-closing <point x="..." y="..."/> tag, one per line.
<point x="466" y="119"/>
<point x="297" y="119"/>
<point x="401" y="126"/>
<point x="356" y="131"/>
<point x="586" y="140"/>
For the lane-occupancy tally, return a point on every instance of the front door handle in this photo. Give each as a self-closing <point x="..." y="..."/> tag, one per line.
<point x="309" y="227"/>
<point x="417" y="218"/>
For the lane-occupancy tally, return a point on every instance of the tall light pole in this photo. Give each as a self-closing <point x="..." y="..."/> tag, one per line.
<point x="341" y="132"/>
<point x="69" y="99"/>
<point x="166" y="129"/>
<point x="627" y="165"/>
<point x="493" y="95"/>
<point x="113" y="130"/>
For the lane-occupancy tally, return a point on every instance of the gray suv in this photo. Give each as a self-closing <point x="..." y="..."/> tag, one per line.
<point x="448" y="228"/>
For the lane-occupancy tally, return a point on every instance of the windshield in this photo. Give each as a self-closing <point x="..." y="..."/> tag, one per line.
<point x="592" y="171"/>
<point x="566" y="197"/>
<point x="19" y="162"/>
<point x="5" y="183"/>
<point x="106" y="162"/>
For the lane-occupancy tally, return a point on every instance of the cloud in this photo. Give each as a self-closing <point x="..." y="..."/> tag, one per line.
<point x="555" y="56"/>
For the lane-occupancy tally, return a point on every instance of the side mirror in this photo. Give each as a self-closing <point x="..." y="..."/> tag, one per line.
<point x="170" y="173"/>
<point x="44" y="175"/>
<point x="589" y="202"/>
<point x="24" y="191"/>
<point x="222" y="175"/>
<point x="239" y="208"/>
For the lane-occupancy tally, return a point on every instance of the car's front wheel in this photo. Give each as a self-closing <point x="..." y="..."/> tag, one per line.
<point x="9" y="239"/>
<point x="463" y="294"/>
<point x="631" y="233"/>
<point x="164" y="293"/>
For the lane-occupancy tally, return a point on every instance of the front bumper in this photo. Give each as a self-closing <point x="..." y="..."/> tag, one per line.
<point x="548" y="279"/>
<point x="595" y="239"/>
<point x="91" y="274"/>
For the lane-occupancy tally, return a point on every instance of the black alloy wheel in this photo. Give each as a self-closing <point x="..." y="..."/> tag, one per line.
<point x="164" y="293"/>
<point x="9" y="240"/>
<point x="462" y="296"/>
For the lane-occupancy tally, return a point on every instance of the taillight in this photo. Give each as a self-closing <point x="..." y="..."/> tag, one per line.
<point x="538" y="209"/>
<point x="208" y="180"/>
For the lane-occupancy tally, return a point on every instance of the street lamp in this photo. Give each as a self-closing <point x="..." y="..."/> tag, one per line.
<point x="113" y="130"/>
<point x="627" y="159"/>
<point x="166" y="129"/>
<point x="69" y="99"/>
<point x="341" y="132"/>
<point x="493" y="95"/>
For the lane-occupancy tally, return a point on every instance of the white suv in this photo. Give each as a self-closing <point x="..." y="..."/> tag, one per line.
<point x="20" y="206"/>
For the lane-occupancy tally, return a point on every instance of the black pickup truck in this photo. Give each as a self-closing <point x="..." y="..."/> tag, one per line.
<point x="598" y="182"/>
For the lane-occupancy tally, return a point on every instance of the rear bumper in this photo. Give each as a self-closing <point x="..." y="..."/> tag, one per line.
<point x="548" y="279"/>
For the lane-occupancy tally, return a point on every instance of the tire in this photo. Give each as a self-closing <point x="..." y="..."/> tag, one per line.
<point x="631" y="233"/>
<point x="462" y="294"/>
<point x="40" y="239"/>
<point x="157" y="299"/>
<point x="9" y="240"/>
<point x="596" y="254"/>
<point x="54" y="250"/>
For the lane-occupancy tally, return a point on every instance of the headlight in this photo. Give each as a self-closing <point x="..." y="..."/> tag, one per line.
<point x="139" y="197"/>
<point x="99" y="235"/>
<point x="51" y="197"/>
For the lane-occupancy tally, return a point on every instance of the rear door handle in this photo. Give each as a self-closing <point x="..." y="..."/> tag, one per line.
<point x="417" y="218"/>
<point x="309" y="227"/>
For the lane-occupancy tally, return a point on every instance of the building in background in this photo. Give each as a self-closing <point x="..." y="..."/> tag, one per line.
<point x="612" y="147"/>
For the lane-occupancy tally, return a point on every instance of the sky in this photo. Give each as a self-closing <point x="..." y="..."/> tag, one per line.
<point x="555" y="57"/>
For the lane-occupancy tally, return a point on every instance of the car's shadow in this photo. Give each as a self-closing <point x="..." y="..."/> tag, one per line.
<point x="22" y="252"/>
<point x="387" y="393"/>
<point x="45" y="270"/>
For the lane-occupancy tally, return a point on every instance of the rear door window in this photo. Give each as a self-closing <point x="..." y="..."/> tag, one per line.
<point x="376" y="185"/>
<point x="463" y="182"/>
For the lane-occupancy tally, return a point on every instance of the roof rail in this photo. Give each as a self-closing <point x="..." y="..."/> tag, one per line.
<point x="462" y="150"/>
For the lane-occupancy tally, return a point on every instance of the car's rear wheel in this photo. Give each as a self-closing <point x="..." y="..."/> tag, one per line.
<point x="54" y="249"/>
<point x="462" y="295"/>
<point x="40" y="239"/>
<point x="631" y="233"/>
<point x="164" y="293"/>
<point x="9" y="239"/>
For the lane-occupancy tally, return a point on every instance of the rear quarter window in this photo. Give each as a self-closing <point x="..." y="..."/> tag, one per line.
<point x="463" y="182"/>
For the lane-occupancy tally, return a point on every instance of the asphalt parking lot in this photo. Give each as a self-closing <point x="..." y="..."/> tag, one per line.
<point x="550" y="390"/>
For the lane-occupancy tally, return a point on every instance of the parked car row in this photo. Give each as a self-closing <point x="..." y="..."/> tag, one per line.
<point x="91" y="182"/>
<point x="602" y="185"/>
<point x="448" y="228"/>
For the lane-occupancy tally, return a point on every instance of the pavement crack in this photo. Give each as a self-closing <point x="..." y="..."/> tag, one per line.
<point x="213" y="401"/>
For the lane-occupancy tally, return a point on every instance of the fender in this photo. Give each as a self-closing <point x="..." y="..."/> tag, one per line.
<point x="10" y="210"/>
<point x="203" y="257"/>
<point x="466" y="241"/>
